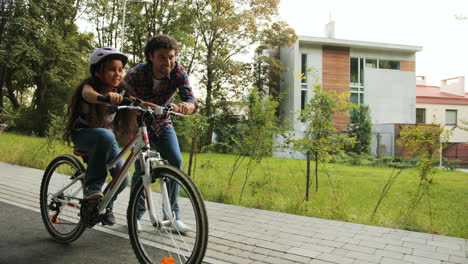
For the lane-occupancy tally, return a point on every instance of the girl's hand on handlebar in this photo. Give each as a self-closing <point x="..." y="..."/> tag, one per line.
<point x="114" y="98"/>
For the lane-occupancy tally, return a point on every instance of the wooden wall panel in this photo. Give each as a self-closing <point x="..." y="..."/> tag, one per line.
<point x="409" y="66"/>
<point x="336" y="76"/>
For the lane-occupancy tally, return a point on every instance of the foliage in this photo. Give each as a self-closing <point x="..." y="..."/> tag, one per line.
<point x="42" y="59"/>
<point x="192" y="127"/>
<point x="425" y="143"/>
<point x="464" y="125"/>
<point x="360" y="128"/>
<point x="142" y="21"/>
<point x="256" y="138"/>
<point x="320" y="137"/>
<point x="450" y="165"/>
<point x="226" y="128"/>
<point x="225" y="29"/>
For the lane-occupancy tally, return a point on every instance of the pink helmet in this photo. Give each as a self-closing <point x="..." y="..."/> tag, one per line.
<point x="100" y="53"/>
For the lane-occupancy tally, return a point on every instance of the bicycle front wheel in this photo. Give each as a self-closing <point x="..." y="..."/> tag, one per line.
<point x="60" y="197"/>
<point x="157" y="241"/>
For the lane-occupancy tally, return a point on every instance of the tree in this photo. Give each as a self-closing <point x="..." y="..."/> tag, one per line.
<point x="192" y="127"/>
<point x="320" y="138"/>
<point x="143" y="21"/>
<point x="257" y="136"/>
<point x="424" y="143"/>
<point x="44" y="55"/>
<point x="360" y="128"/>
<point x="227" y="29"/>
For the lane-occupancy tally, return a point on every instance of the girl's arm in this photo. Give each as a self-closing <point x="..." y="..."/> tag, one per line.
<point x="90" y="96"/>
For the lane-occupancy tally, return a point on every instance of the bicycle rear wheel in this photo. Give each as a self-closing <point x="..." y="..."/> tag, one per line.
<point x="154" y="243"/>
<point x="60" y="205"/>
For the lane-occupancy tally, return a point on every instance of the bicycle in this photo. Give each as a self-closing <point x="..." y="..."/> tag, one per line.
<point x="66" y="214"/>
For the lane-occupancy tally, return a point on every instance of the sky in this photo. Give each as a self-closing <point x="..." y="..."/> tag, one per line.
<point x="431" y="24"/>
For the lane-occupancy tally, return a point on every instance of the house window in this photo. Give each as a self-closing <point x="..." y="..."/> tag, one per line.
<point x="357" y="71"/>
<point x="371" y="63"/>
<point x="389" y="64"/>
<point x="420" y="116"/>
<point x="357" y="80"/>
<point x="450" y="117"/>
<point x="304" y="68"/>
<point x="303" y="96"/>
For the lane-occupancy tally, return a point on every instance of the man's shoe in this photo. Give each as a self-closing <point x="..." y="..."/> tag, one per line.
<point x="92" y="195"/>
<point x="181" y="227"/>
<point x="108" y="218"/>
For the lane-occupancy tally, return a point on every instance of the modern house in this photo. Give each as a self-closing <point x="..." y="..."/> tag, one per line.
<point x="380" y="75"/>
<point x="447" y="105"/>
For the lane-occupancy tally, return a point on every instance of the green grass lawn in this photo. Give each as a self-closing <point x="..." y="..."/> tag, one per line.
<point x="279" y="185"/>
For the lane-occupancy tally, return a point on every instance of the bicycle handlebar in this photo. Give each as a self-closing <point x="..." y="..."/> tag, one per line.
<point x="128" y="103"/>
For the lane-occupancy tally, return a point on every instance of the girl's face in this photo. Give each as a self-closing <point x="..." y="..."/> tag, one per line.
<point x="111" y="73"/>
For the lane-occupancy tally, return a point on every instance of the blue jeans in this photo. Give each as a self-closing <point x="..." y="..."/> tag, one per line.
<point x="103" y="148"/>
<point x="168" y="146"/>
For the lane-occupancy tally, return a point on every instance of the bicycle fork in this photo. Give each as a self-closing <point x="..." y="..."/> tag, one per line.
<point x="166" y="203"/>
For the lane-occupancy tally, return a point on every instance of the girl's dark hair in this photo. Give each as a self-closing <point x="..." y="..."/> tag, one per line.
<point x="161" y="42"/>
<point x="97" y="111"/>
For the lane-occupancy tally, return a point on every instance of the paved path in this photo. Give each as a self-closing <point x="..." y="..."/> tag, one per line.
<point x="24" y="240"/>
<point x="246" y="235"/>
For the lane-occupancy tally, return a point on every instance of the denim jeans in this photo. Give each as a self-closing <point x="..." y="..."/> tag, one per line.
<point x="103" y="148"/>
<point x="168" y="146"/>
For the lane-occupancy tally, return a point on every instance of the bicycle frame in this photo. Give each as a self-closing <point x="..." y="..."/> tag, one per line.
<point x="139" y="148"/>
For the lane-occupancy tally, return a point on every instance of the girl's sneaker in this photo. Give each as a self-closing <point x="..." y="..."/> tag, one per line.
<point x="92" y="195"/>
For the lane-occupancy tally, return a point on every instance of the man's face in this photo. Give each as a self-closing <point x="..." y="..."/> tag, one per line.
<point x="163" y="62"/>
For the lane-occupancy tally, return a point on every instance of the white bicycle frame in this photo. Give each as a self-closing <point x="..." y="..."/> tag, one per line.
<point x="139" y="148"/>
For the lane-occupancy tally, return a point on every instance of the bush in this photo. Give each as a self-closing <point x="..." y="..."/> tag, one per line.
<point x="450" y="165"/>
<point x="360" y="159"/>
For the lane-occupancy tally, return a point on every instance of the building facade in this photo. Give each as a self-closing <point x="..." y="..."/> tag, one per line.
<point x="446" y="105"/>
<point x="376" y="74"/>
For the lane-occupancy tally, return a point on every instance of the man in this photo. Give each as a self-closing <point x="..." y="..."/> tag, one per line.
<point x="157" y="81"/>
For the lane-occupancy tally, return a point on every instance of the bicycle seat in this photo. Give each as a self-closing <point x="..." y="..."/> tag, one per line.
<point x="83" y="155"/>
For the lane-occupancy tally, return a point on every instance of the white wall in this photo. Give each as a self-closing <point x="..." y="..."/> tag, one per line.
<point x="435" y="113"/>
<point x="391" y="96"/>
<point x="288" y="56"/>
<point x="314" y="77"/>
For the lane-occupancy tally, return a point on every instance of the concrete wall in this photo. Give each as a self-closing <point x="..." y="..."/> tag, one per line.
<point x="288" y="56"/>
<point x="453" y="85"/>
<point x="391" y="96"/>
<point x="435" y="113"/>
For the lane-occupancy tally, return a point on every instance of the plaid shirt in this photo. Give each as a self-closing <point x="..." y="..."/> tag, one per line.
<point x="140" y="78"/>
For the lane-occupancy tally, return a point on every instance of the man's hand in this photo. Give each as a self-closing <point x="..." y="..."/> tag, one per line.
<point x="184" y="108"/>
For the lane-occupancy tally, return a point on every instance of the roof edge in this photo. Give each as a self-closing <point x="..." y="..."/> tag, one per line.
<point x="358" y="44"/>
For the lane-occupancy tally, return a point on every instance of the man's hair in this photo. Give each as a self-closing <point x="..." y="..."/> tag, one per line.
<point x="160" y="42"/>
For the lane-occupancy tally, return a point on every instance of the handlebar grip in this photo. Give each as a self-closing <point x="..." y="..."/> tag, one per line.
<point x="106" y="99"/>
<point x="102" y="98"/>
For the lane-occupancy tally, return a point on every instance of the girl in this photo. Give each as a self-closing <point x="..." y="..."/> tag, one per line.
<point x="91" y="123"/>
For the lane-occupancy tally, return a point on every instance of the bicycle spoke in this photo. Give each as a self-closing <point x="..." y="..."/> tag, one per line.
<point x="60" y="194"/>
<point x="185" y="247"/>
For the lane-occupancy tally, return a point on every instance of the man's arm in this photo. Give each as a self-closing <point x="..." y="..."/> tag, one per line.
<point x="189" y="104"/>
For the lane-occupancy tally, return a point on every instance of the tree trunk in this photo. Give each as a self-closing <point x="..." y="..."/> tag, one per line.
<point x="209" y="102"/>
<point x="10" y="90"/>
<point x="308" y="176"/>
<point x="193" y="150"/>
<point x="316" y="172"/>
